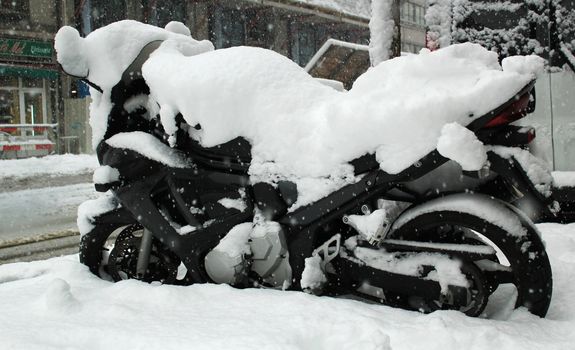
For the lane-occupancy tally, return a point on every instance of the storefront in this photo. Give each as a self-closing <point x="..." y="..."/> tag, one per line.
<point x="28" y="85"/>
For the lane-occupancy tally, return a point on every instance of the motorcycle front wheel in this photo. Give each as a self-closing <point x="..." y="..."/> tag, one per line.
<point x="119" y="261"/>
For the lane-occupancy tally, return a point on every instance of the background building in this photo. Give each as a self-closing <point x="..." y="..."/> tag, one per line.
<point x="29" y="93"/>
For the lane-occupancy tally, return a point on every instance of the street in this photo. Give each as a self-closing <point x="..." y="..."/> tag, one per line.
<point x="41" y="220"/>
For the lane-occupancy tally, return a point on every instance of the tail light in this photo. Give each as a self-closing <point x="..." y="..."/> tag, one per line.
<point x="516" y="110"/>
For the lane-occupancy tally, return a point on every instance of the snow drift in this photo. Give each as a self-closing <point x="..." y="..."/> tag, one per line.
<point x="57" y="304"/>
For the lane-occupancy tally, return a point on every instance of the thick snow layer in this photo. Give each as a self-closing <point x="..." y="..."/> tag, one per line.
<point x="150" y="147"/>
<point x="57" y="303"/>
<point x="563" y="179"/>
<point x="461" y="145"/>
<point x="54" y="165"/>
<point x="90" y="209"/>
<point x="312" y="277"/>
<point x="396" y="109"/>
<point x="105" y="53"/>
<point x="105" y="174"/>
<point x="524" y="64"/>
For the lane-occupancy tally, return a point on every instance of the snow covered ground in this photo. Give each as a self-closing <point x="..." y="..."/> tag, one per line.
<point x="54" y="165"/>
<point x="57" y="303"/>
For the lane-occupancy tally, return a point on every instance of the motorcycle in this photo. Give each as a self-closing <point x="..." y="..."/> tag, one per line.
<point x="408" y="239"/>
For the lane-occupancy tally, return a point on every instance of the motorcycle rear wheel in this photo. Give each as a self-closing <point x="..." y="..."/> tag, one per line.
<point x="527" y="261"/>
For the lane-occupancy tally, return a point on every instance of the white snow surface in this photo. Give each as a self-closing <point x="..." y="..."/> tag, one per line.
<point x="234" y="203"/>
<point x="312" y="277"/>
<point x="105" y="174"/>
<point x="57" y="303"/>
<point x="368" y="225"/>
<point x="53" y="165"/>
<point x="461" y="145"/>
<point x="150" y="147"/>
<point x="105" y="53"/>
<point x="91" y="208"/>
<point x="563" y="179"/>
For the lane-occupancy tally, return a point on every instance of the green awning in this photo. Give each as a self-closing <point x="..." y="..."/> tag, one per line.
<point x="28" y="72"/>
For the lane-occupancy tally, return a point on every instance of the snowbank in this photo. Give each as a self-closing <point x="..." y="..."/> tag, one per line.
<point x="57" y="304"/>
<point x="54" y="165"/>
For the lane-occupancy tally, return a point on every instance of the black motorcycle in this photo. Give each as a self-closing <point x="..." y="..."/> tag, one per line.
<point x="412" y="239"/>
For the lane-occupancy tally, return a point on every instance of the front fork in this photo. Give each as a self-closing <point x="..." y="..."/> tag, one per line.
<point x="144" y="253"/>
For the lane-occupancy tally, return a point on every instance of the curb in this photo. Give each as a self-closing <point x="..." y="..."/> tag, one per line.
<point x="39" y="238"/>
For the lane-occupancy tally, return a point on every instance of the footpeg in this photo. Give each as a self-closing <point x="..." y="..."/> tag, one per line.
<point x="313" y="277"/>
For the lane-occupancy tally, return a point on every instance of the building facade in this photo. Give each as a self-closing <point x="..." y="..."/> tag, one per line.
<point x="34" y="92"/>
<point x="29" y="92"/>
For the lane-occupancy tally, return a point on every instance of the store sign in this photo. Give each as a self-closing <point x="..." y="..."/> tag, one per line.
<point x="13" y="47"/>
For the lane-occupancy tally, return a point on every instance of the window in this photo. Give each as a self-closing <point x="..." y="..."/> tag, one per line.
<point x="228" y="28"/>
<point x="22" y="101"/>
<point x="304" y="42"/>
<point x="410" y="47"/>
<point x="413" y="13"/>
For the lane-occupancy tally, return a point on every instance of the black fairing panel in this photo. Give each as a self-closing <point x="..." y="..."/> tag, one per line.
<point x="130" y="164"/>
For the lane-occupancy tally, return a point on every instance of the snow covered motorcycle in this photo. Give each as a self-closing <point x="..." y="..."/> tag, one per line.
<point x="194" y="196"/>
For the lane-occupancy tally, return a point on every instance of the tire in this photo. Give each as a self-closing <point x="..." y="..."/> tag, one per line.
<point x="520" y="243"/>
<point x="121" y="262"/>
<point x="92" y="247"/>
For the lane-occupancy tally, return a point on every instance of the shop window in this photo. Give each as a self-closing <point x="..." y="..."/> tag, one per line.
<point x="9" y="113"/>
<point x="22" y="101"/>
